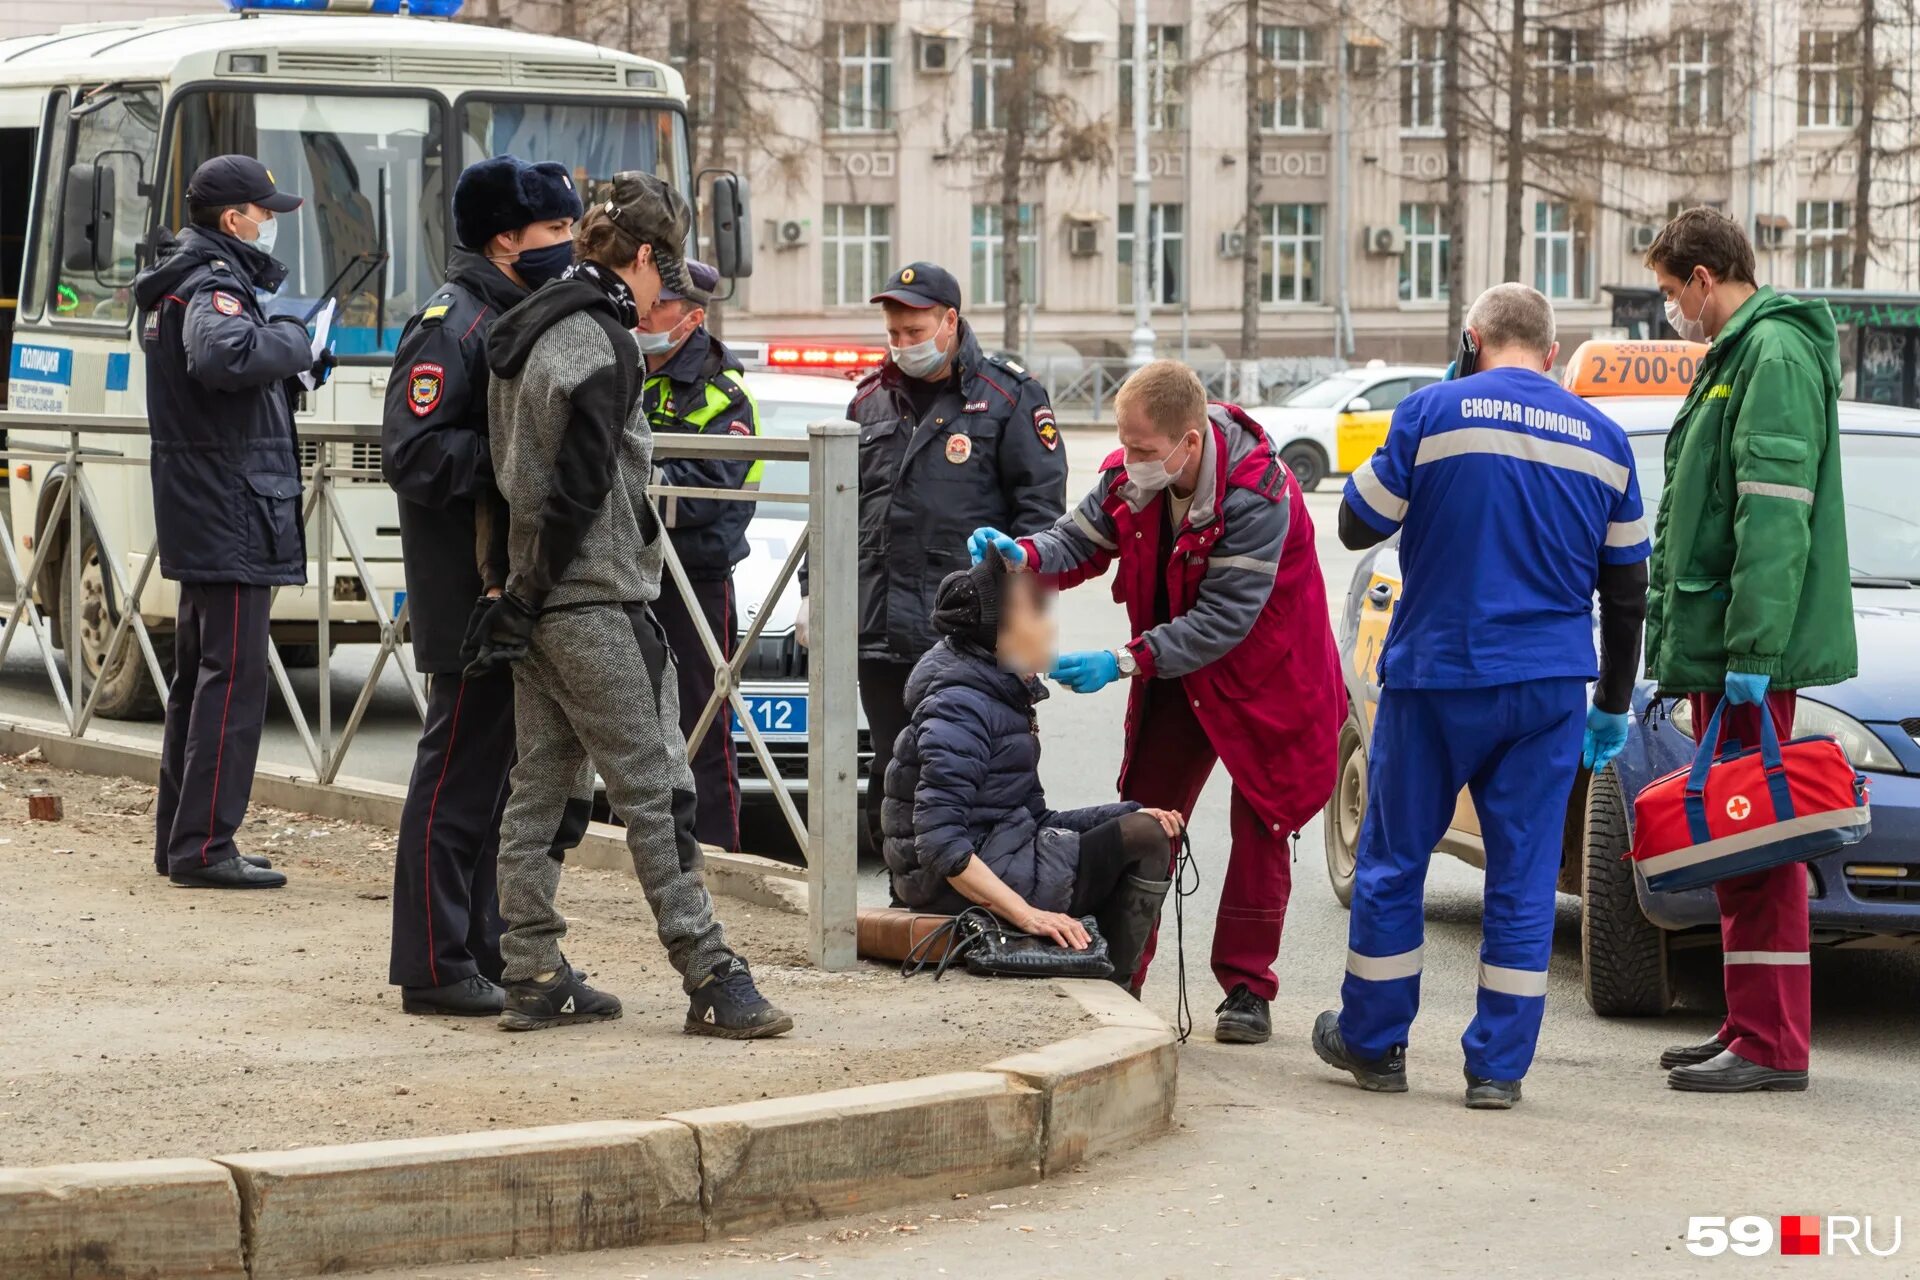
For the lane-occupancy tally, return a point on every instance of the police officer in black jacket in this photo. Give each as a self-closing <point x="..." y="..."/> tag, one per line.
<point x="948" y="435"/>
<point x="694" y="384"/>
<point x="222" y="377"/>
<point x="514" y="223"/>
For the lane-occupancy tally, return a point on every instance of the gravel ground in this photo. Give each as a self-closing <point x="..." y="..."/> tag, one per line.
<point x="144" y="1020"/>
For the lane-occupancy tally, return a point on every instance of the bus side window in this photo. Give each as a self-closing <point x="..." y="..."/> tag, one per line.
<point x="114" y="137"/>
<point x="45" y="224"/>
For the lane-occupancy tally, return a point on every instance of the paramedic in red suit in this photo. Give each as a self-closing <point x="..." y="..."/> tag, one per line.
<point x="1232" y="657"/>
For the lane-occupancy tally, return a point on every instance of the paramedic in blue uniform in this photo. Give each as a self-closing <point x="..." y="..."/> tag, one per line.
<point x="1515" y="502"/>
<point x="514" y="225"/>
<point x="222" y="378"/>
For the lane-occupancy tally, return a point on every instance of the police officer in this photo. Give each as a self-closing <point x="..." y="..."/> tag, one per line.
<point x="694" y="385"/>
<point x="514" y="223"/>
<point x="1515" y="501"/>
<point x="222" y="377"/>
<point x="951" y="439"/>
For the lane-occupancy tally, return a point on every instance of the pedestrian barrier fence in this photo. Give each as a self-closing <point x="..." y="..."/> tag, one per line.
<point x="90" y="600"/>
<point x="1081" y="388"/>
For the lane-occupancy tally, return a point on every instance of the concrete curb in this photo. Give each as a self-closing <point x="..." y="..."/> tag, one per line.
<point x="568" y="1188"/>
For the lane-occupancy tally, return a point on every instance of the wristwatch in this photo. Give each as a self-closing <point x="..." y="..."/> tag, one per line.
<point x="1129" y="665"/>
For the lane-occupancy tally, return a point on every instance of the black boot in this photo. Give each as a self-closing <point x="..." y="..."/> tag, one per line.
<point x="1132" y="916"/>
<point x="1376" y="1075"/>
<point x="1691" y="1055"/>
<point x="1730" y="1073"/>
<point x="1484" y="1094"/>
<point x="231" y="873"/>
<point x="473" y="997"/>
<point x="259" y="860"/>
<point x="1244" y="1018"/>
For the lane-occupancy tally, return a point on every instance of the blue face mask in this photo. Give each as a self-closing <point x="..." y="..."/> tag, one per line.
<point x="537" y="266"/>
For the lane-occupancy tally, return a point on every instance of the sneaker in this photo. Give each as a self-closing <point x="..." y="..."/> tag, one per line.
<point x="1378" y="1075"/>
<point x="1491" y="1095"/>
<point x="1243" y="1018"/>
<point x="473" y="997"/>
<point x="728" y="1005"/>
<point x="534" y="1006"/>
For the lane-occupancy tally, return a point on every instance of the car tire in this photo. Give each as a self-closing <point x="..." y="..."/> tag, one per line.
<point x="1308" y="464"/>
<point x="299" y="657"/>
<point x="1345" y="811"/>
<point x="1623" y="955"/>
<point x="127" y="691"/>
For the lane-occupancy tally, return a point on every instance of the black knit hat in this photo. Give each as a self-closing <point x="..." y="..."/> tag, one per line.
<point x="967" y="605"/>
<point x="505" y="194"/>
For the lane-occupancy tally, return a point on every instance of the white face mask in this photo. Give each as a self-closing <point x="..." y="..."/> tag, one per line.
<point x="658" y="344"/>
<point x="921" y="359"/>
<point x="1153" y="474"/>
<point x="268" y="231"/>
<point x="1690" y="330"/>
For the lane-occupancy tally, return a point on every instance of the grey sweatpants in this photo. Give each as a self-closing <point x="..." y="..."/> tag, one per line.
<point x="596" y="690"/>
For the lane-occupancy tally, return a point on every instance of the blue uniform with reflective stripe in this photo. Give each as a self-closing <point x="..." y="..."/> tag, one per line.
<point x="1509" y="493"/>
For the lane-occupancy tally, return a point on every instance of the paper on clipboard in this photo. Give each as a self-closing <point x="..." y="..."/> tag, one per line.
<point x="322" y="330"/>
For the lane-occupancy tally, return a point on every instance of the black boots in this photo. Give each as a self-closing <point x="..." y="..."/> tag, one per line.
<point x="238" y="872"/>
<point x="1378" y="1075"/>
<point x="1728" y="1072"/>
<point x="1244" y="1018"/>
<point x="473" y="997"/>
<point x="1129" y="920"/>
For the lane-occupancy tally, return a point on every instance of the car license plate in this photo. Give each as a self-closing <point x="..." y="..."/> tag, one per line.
<point x="778" y="716"/>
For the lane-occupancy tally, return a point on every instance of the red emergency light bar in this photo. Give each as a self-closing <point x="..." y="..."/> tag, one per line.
<point x="845" y="360"/>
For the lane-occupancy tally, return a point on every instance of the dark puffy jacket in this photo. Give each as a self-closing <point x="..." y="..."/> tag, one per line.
<point x="434" y="452"/>
<point x="965" y="780"/>
<point x="226" y="474"/>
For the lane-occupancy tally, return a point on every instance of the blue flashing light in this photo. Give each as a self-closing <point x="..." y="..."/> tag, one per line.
<point x="418" y="8"/>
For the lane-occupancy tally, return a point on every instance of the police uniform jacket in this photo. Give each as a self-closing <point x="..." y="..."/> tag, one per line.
<point x="226" y="473"/>
<point x="700" y="390"/>
<point x="434" y="452"/>
<point x="985" y="452"/>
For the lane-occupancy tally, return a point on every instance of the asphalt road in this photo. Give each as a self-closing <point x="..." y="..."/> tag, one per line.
<point x="1280" y="1168"/>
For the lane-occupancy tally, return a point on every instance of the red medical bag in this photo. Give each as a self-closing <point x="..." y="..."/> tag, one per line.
<point x="1744" y="810"/>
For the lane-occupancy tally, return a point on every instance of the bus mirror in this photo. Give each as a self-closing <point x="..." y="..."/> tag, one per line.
<point x="732" y="241"/>
<point x="86" y="218"/>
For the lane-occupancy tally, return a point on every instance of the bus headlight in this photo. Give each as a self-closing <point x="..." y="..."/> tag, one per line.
<point x="1863" y="747"/>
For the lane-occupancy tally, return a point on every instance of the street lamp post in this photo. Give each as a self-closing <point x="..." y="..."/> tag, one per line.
<point x="1142" y="352"/>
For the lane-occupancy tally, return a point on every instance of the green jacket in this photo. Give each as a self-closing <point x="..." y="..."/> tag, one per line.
<point x="1750" y="569"/>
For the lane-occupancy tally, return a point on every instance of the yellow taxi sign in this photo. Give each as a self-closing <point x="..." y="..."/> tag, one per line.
<point x="1625" y="367"/>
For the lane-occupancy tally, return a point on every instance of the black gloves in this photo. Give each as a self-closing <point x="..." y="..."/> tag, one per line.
<point x="497" y="634"/>
<point x="323" y="368"/>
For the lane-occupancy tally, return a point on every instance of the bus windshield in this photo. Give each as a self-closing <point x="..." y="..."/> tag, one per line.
<point x="594" y="138"/>
<point x="372" y="233"/>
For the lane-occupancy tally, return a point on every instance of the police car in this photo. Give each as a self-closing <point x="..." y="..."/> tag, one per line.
<point x="1333" y="424"/>
<point x="1865" y="895"/>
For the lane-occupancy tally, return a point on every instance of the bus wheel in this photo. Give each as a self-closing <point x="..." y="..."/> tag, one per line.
<point x="127" y="690"/>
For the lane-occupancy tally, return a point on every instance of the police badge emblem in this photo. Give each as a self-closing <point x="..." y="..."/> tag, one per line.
<point x="425" y="382"/>
<point x="959" y="449"/>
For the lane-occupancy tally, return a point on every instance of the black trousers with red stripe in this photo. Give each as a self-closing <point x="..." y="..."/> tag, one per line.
<point x="716" y="777"/>
<point x="446" y="910"/>
<point x="216" y="706"/>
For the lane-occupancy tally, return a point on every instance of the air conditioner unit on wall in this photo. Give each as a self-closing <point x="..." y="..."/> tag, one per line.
<point x="935" y="53"/>
<point x="1640" y="237"/>
<point x="1233" y="244"/>
<point x="1770" y="230"/>
<point x="788" y="233"/>
<point x="1384" y="241"/>
<point x="1083" y="237"/>
<point x="1363" y="58"/>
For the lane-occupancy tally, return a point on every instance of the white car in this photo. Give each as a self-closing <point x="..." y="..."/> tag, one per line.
<point x="1333" y="424"/>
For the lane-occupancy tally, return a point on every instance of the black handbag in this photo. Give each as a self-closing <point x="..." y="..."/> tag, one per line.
<point x="992" y="948"/>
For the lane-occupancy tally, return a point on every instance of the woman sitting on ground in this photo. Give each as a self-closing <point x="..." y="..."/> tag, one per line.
<point x="964" y="817"/>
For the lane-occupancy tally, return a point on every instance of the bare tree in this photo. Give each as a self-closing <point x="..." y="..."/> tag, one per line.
<point x="1516" y="139"/>
<point x="1452" y="121"/>
<point x="1255" y="64"/>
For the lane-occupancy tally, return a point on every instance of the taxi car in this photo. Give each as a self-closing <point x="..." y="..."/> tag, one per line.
<point x="1333" y="424"/>
<point x="1865" y="895"/>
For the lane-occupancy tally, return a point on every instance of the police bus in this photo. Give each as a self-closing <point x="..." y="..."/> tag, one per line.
<point x="367" y="108"/>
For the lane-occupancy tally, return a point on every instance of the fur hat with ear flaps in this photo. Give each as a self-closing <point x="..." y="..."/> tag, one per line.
<point x="505" y="194"/>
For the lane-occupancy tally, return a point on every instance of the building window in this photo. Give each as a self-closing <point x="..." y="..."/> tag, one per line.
<point x="1822" y="244"/>
<point x="1295" y="97"/>
<point x="1696" y="73"/>
<point x="1423" y="263"/>
<point x="1166" y="78"/>
<point x="989" y="277"/>
<point x="992" y="66"/>
<point x="1564" y="61"/>
<point x="1290" y="239"/>
<point x="856" y="243"/>
<point x="859" y="77"/>
<point x="1828" y="60"/>
<point x="1423" y="73"/>
<point x="1562" y="263"/>
<point x="1166" y="264"/>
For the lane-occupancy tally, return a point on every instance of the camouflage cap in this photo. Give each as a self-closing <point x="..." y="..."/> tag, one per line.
<point x="653" y="213"/>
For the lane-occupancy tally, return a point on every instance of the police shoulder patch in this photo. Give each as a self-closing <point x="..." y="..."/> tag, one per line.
<point x="1005" y="363"/>
<point x="425" y="383"/>
<point x="1043" y="426"/>
<point x="435" y="313"/>
<point x="225" y="303"/>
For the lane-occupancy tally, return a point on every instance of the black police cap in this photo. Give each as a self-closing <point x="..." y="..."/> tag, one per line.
<point x="921" y="284"/>
<point x="226" y="180"/>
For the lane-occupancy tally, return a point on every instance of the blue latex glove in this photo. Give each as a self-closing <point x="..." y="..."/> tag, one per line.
<point x="1606" y="734"/>
<point x="1009" y="550"/>
<point x="1744" y="687"/>
<point x="1087" y="671"/>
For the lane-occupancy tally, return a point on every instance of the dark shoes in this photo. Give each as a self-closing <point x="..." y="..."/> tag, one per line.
<point x="241" y="872"/>
<point x="1691" y="1055"/>
<point x="1728" y="1072"/>
<point x="258" y="860"/>
<point x="1243" y="1018"/>
<point x="1381" y="1075"/>
<point x="1491" y="1095"/>
<point x="473" y="997"/>
<point x="563" y="998"/>
<point x="1132" y="918"/>
<point x="728" y="1005"/>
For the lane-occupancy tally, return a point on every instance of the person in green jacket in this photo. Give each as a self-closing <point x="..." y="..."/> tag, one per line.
<point x="1750" y="597"/>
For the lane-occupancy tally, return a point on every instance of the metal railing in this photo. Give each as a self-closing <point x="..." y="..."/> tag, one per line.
<point x="1081" y="390"/>
<point x="72" y="521"/>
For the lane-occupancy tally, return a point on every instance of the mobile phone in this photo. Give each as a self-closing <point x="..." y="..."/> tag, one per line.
<point x="1468" y="361"/>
